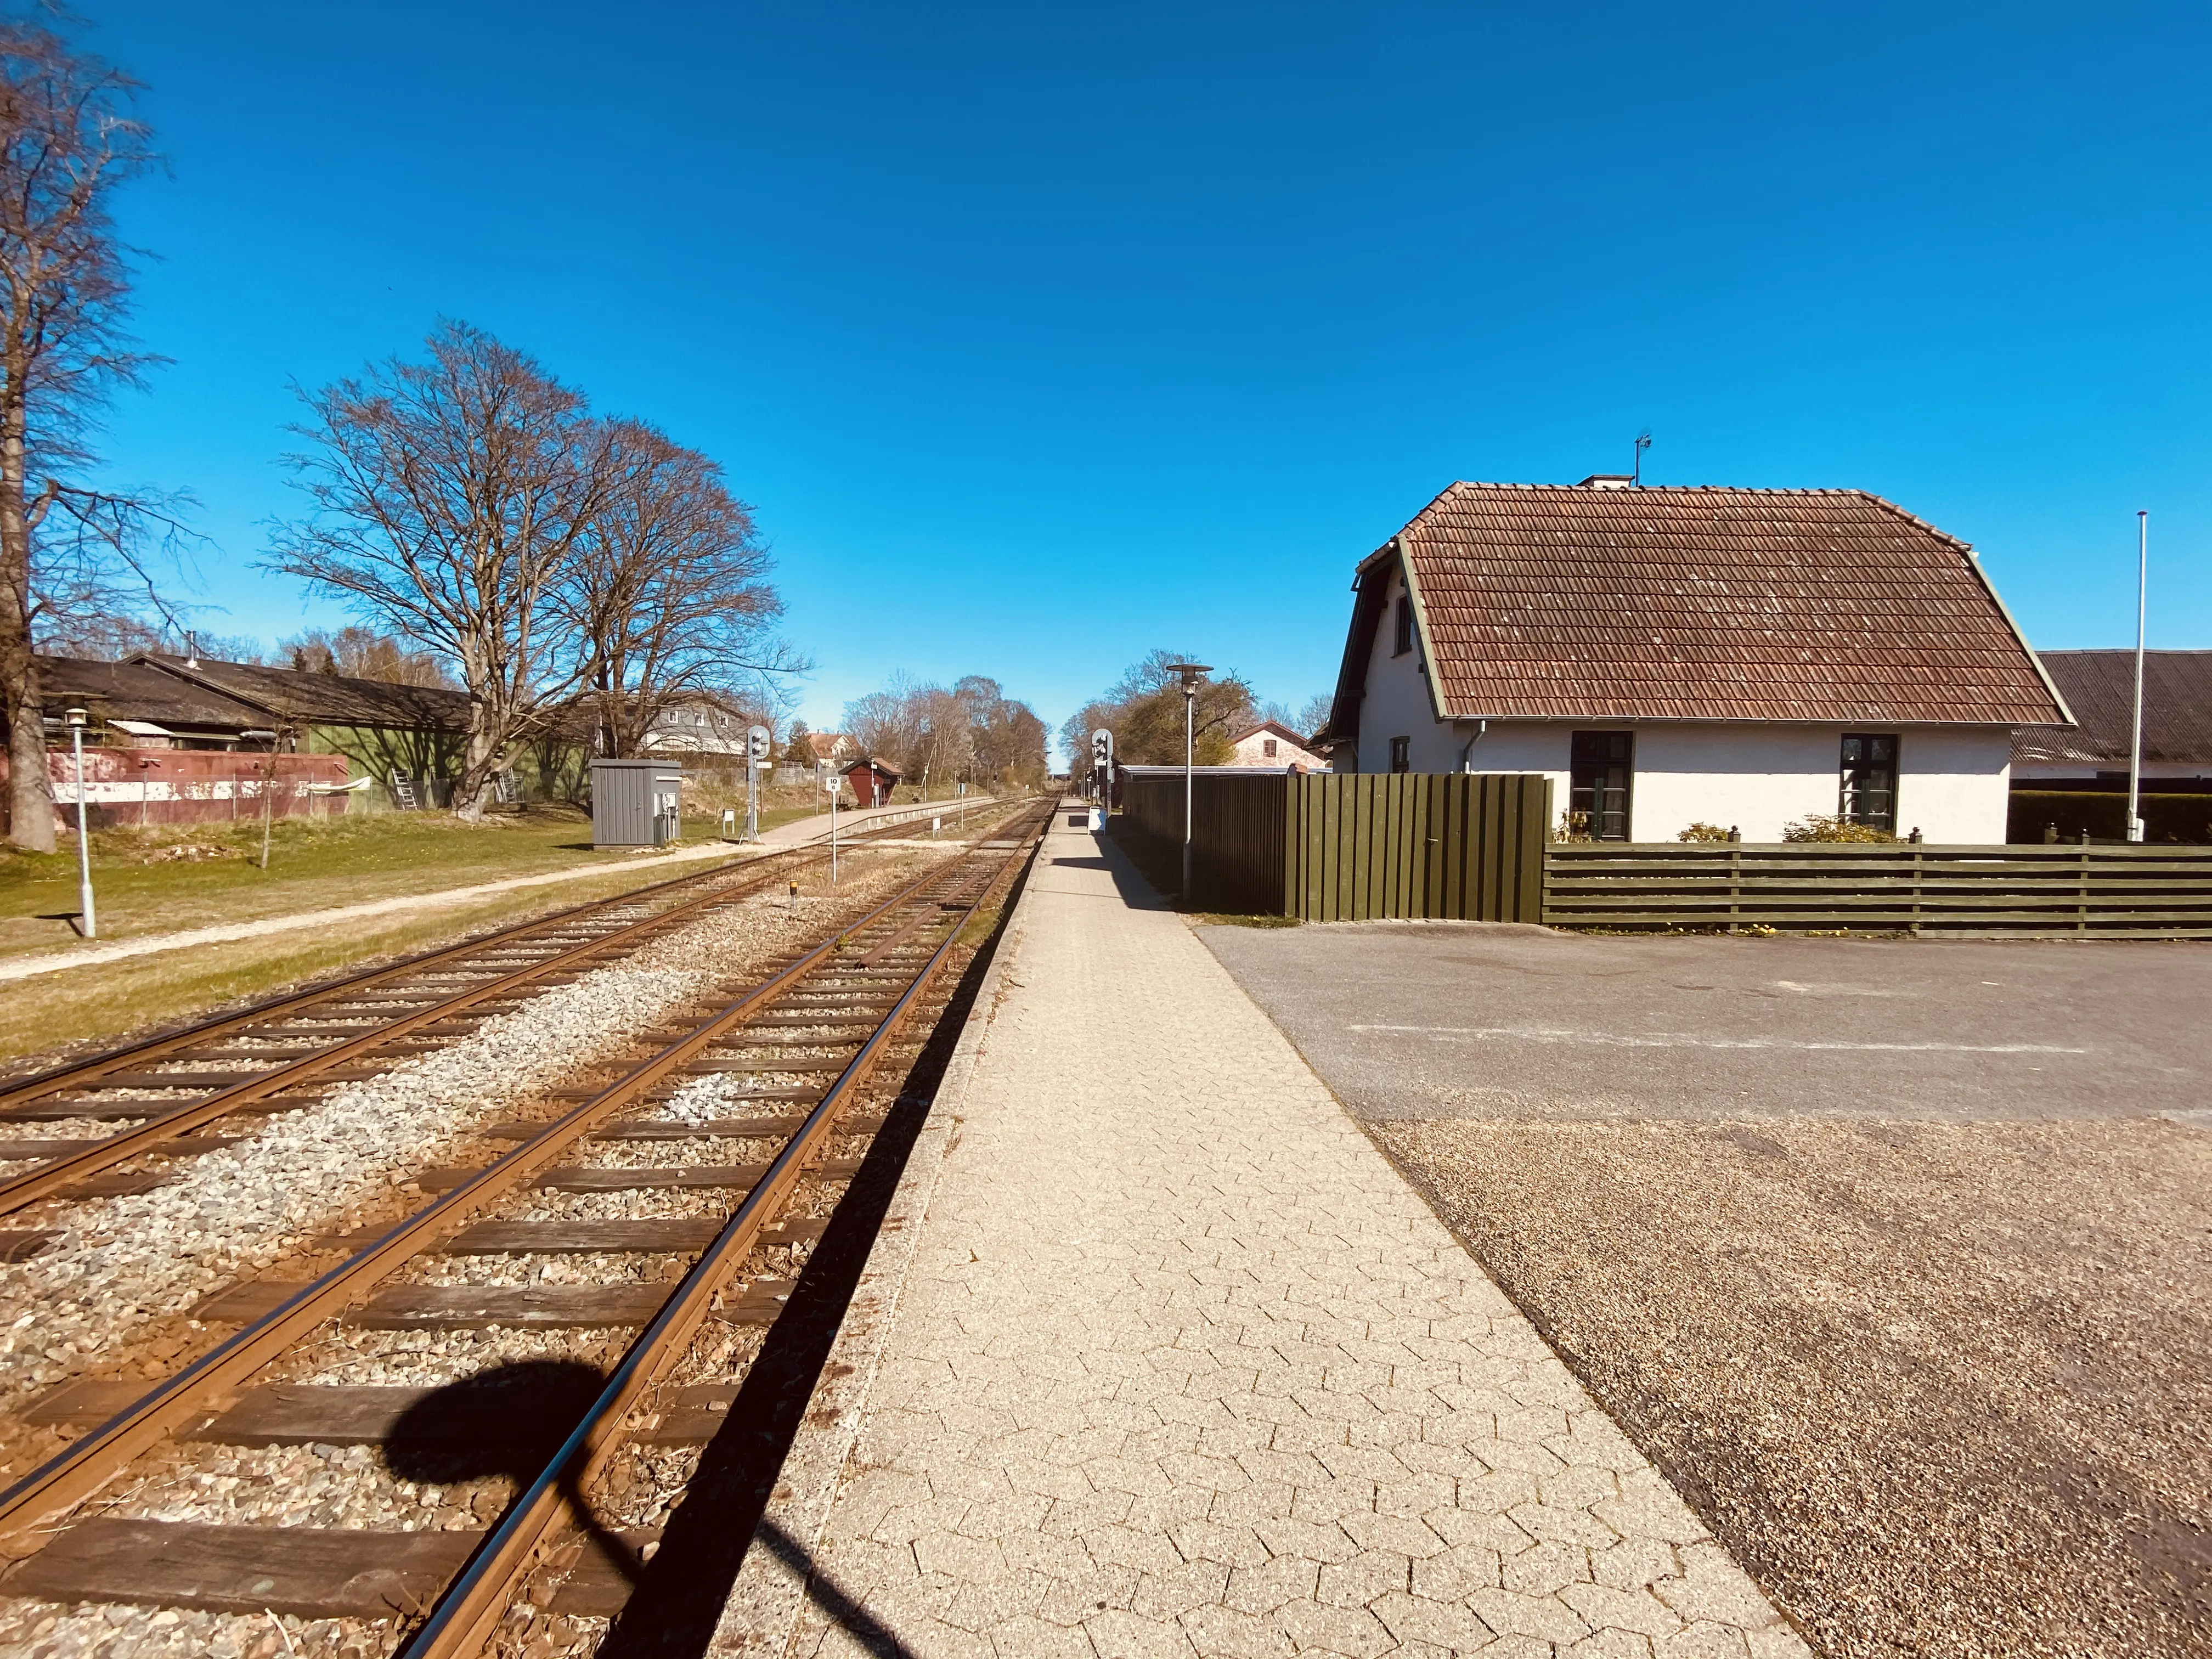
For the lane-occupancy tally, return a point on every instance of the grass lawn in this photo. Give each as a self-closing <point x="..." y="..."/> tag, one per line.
<point x="162" y="880"/>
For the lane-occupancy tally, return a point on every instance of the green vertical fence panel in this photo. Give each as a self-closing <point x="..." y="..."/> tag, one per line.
<point x="1354" y="847"/>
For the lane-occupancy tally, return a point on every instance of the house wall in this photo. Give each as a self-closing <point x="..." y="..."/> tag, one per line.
<point x="1252" y="752"/>
<point x="1398" y="703"/>
<point x="1952" y="784"/>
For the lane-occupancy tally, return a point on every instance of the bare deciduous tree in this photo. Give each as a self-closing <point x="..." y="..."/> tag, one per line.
<point x="1144" y="712"/>
<point x="973" y="732"/>
<point x="450" y="496"/>
<point x="667" y="595"/>
<point x="66" y="141"/>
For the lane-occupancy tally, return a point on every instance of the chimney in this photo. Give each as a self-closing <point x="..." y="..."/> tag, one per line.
<point x="1608" y="481"/>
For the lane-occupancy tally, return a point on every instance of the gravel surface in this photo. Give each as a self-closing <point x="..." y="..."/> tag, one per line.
<point x="1945" y="1388"/>
<point x="39" y="1630"/>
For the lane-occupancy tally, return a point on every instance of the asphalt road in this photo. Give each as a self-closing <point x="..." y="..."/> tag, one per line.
<point x="1447" y="1019"/>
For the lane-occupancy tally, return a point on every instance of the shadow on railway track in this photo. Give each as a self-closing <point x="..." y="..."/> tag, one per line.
<point x="508" y="1420"/>
<point x="682" y="1590"/>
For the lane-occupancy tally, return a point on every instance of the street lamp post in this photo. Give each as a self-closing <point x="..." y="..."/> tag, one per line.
<point x="76" y="718"/>
<point x="1189" y="671"/>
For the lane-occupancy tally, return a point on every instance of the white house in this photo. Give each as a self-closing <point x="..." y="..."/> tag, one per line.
<point x="699" y="723"/>
<point x="1741" y="658"/>
<point x="1272" y="744"/>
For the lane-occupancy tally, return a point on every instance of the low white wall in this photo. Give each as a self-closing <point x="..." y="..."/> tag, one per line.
<point x="1952" y="785"/>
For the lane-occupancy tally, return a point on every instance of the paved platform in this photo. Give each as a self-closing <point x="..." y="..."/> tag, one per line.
<point x="1176" y="1363"/>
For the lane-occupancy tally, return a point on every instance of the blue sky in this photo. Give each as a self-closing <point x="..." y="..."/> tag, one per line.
<point x="1041" y="335"/>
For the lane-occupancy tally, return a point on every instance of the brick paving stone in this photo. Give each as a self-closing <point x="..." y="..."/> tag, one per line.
<point x="1181" y="1366"/>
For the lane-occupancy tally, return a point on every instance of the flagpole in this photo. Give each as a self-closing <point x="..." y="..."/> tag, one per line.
<point x="2135" y="748"/>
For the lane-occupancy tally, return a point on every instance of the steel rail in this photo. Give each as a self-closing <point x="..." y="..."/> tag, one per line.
<point x="79" y="1470"/>
<point x="63" y="1076"/>
<point x="170" y="1043"/>
<point x="47" y="1178"/>
<point x="464" y="1618"/>
<point x="46" y="1181"/>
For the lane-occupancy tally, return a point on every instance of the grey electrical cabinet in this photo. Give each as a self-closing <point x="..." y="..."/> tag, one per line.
<point x="637" y="803"/>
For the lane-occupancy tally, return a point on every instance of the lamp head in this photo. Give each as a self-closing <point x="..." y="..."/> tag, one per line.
<point x="1190" y="671"/>
<point x="76" y="717"/>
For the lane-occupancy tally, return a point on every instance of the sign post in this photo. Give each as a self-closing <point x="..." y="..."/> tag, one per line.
<point x="756" y="747"/>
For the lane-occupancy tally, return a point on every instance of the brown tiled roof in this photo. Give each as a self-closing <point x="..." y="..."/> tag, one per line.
<point x="2100" y="687"/>
<point x="1551" y="601"/>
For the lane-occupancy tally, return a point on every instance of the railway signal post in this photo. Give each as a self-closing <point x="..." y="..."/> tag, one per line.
<point x="1102" y="775"/>
<point x="757" y="746"/>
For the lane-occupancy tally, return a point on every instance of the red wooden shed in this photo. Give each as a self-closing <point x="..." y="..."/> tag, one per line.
<point x="872" y="780"/>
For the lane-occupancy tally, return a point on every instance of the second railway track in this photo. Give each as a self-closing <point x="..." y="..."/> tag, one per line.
<point x="513" y="1379"/>
<point x="276" y="1056"/>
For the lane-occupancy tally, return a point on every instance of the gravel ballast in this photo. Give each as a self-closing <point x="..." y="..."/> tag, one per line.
<point x="430" y="1110"/>
<point x="125" y="1262"/>
<point x="1943" y="1387"/>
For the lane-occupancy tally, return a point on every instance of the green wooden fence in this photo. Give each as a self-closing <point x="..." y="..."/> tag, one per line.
<point x="2017" y="892"/>
<point x="1355" y="846"/>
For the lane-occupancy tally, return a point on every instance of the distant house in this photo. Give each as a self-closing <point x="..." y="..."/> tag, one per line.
<point x="134" y="705"/>
<point x="1741" y="658"/>
<point x="2100" y="687"/>
<point x="382" y="729"/>
<point x="699" y="723"/>
<point x="832" y="745"/>
<point x="1270" y="743"/>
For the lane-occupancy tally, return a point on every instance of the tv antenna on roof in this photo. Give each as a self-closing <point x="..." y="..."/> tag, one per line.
<point x="1642" y="443"/>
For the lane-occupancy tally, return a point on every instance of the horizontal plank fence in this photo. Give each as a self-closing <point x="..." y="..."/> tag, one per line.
<point x="2016" y="891"/>
<point x="1354" y="847"/>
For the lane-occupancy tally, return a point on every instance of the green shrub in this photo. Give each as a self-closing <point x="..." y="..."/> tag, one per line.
<point x="1706" y="833"/>
<point x="1815" y="827"/>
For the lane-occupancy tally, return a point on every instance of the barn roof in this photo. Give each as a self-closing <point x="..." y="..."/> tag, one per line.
<point x="2100" y="687"/>
<point x="134" y="691"/>
<point x="311" y="696"/>
<point x="1548" y="601"/>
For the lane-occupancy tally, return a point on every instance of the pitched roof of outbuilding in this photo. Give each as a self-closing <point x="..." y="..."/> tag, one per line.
<point x="2100" y="687"/>
<point x="134" y="691"/>
<point x="1546" y="601"/>
<point x="308" y="694"/>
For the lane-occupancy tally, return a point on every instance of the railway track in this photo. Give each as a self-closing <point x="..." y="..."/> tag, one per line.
<point x="278" y="1055"/>
<point x="571" y="1316"/>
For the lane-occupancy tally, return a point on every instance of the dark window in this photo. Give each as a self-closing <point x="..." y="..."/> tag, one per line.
<point x="1597" y="794"/>
<point x="1401" y="637"/>
<point x="1868" y="794"/>
<point x="1399" y="760"/>
<point x="1267" y="747"/>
